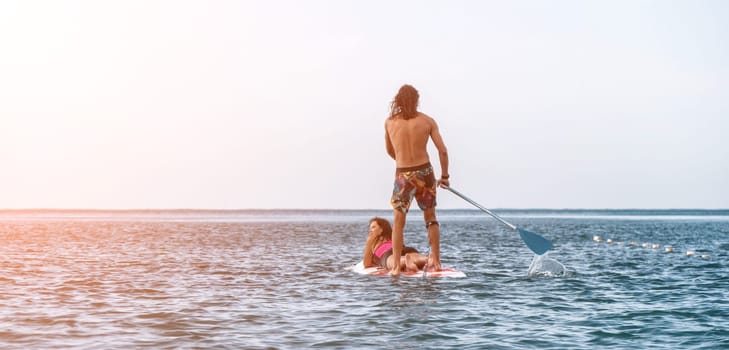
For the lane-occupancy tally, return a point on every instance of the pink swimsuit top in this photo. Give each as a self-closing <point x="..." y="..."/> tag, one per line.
<point x="384" y="247"/>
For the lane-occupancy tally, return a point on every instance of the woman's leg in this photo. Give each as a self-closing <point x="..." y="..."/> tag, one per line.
<point x="391" y="262"/>
<point x="414" y="261"/>
<point x="419" y="259"/>
<point x="411" y="262"/>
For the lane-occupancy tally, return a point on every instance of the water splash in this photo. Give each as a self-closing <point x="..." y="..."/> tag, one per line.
<point x="544" y="266"/>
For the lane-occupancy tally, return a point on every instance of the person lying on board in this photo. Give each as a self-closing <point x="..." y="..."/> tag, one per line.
<point x="378" y="249"/>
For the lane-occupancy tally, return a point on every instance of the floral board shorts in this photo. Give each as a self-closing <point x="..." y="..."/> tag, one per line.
<point x="418" y="182"/>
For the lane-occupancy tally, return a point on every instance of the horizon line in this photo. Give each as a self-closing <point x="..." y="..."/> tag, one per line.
<point x="332" y="209"/>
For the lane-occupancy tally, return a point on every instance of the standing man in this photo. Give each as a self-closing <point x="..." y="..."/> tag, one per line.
<point x="406" y="137"/>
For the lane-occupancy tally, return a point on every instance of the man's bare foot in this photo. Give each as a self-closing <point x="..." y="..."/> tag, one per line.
<point x="395" y="272"/>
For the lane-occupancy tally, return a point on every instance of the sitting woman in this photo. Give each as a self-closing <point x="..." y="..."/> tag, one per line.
<point x="378" y="249"/>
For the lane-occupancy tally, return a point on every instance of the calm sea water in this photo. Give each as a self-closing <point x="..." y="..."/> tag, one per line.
<point x="279" y="280"/>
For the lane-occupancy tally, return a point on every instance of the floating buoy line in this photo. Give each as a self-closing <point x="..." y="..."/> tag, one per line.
<point x="648" y="245"/>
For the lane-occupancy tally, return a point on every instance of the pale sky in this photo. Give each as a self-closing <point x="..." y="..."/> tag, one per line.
<point x="281" y="104"/>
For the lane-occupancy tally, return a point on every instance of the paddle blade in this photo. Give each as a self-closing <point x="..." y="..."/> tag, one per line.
<point x="538" y="244"/>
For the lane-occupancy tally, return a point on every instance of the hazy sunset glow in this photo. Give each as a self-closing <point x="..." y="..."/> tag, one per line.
<point x="281" y="104"/>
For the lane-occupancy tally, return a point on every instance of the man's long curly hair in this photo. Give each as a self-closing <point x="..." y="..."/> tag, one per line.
<point x="405" y="103"/>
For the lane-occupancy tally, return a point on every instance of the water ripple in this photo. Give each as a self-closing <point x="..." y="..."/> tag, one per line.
<point x="259" y="284"/>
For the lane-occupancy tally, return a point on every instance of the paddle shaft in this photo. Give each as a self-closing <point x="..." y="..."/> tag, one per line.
<point x="479" y="206"/>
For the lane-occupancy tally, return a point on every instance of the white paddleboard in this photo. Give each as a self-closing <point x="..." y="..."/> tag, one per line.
<point x="378" y="271"/>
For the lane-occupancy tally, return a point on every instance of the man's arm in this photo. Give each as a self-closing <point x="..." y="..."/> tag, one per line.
<point x="442" y="152"/>
<point x="388" y="143"/>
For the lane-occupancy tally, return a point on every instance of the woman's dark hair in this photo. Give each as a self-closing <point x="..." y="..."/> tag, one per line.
<point x="385" y="225"/>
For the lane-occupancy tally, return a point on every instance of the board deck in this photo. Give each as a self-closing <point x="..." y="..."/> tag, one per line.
<point x="378" y="271"/>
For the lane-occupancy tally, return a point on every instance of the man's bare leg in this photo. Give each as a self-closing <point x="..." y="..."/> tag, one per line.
<point x="398" y="226"/>
<point x="433" y="238"/>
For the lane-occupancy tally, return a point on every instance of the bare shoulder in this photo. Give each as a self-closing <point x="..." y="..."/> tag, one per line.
<point x="428" y="119"/>
<point x="389" y="124"/>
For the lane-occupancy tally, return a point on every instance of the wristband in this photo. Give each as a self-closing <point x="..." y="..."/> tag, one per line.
<point x="445" y="177"/>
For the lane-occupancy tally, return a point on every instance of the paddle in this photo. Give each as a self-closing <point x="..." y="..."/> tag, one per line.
<point x="538" y="244"/>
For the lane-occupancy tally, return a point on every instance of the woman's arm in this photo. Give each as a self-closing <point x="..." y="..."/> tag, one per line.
<point x="368" y="252"/>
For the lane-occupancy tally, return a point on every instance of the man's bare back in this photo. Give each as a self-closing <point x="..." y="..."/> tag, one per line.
<point x="407" y="139"/>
